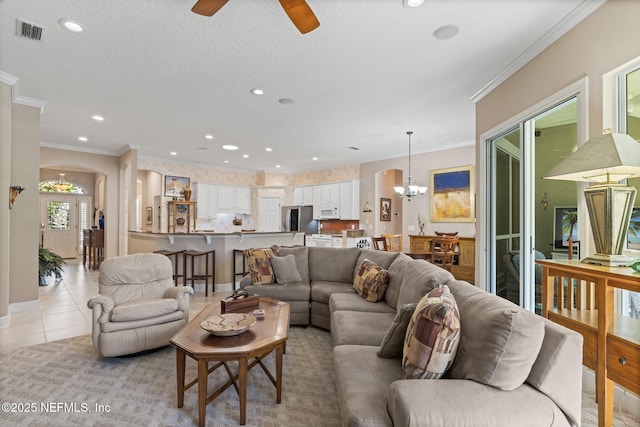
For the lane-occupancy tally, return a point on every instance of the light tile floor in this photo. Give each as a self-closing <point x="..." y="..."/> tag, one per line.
<point x="63" y="311"/>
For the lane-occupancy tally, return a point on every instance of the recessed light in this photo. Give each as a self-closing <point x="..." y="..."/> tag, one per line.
<point x="97" y="118"/>
<point x="277" y="166"/>
<point x="314" y="158"/>
<point x="229" y="147"/>
<point x="208" y="136"/>
<point x="73" y="26"/>
<point x="246" y="156"/>
<point x="173" y="153"/>
<point x="286" y="101"/>
<point x="412" y="3"/>
<point x="269" y="149"/>
<point x="446" y="32"/>
<point x="226" y="161"/>
<point x="83" y="138"/>
<point x="257" y="91"/>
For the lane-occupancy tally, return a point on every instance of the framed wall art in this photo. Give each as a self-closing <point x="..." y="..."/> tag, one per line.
<point x="174" y="185"/>
<point x="148" y="215"/>
<point x="453" y="195"/>
<point x="385" y="209"/>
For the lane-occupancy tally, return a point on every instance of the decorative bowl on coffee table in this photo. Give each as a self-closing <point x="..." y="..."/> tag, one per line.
<point x="228" y="324"/>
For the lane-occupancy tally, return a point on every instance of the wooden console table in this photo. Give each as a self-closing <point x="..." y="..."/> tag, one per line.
<point x="464" y="260"/>
<point x="92" y="247"/>
<point x="611" y="341"/>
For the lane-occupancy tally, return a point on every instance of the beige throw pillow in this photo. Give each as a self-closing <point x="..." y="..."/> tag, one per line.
<point x="371" y="281"/>
<point x="285" y="269"/>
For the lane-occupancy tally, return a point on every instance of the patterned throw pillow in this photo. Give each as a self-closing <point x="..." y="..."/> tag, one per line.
<point x="432" y="336"/>
<point x="371" y="281"/>
<point x="259" y="263"/>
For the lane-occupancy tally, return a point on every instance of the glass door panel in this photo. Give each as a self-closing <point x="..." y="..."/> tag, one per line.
<point x="630" y="124"/>
<point x="505" y="153"/>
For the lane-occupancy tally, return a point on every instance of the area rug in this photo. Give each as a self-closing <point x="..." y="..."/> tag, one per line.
<point x="79" y="388"/>
<point x="64" y="383"/>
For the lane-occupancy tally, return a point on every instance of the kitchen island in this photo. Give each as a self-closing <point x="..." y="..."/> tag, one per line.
<point x="222" y="243"/>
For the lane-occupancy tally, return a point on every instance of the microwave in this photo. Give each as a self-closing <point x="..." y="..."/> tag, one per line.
<point x="329" y="211"/>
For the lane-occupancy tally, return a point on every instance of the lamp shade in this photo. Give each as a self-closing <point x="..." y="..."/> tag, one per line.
<point x="606" y="158"/>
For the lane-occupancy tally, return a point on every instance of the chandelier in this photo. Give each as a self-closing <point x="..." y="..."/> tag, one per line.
<point x="62" y="184"/>
<point x="410" y="189"/>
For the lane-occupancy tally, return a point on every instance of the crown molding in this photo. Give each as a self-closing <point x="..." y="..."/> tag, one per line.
<point x="586" y="8"/>
<point x="30" y="102"/>
<point x="90" y="150"/>
<point x="17" y="99"/>
<point x="8" y="78"/>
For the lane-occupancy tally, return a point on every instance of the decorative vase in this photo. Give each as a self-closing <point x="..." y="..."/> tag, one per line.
<point x="187" y="195"/>
<point x="421" y="233"/>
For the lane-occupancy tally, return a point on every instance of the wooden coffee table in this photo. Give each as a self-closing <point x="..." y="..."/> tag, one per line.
<point x="256" y="343"/>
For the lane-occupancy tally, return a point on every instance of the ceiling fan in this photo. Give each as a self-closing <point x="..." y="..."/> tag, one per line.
<point x="298" y="11"/>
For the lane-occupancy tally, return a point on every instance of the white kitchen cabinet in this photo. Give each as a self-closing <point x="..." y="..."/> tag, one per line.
<point x="207" y="197"/>
<point x="350" y="200"/>
<point x="330" y="193"/>
<point x="346" y="195"/>
<point x="232" y="199"/>
<point x="303" y="196"/>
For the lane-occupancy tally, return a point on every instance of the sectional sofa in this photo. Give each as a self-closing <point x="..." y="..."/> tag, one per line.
<point x="511" y="368"/>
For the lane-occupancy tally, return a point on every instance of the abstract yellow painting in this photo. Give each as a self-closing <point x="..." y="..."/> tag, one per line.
<point x="453" y="195"/>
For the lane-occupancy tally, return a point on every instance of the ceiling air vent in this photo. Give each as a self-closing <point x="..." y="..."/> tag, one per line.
<point x="29" y="30"/>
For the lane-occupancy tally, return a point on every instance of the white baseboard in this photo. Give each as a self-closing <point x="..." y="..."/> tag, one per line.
<point x="4" y="321"/>
<point x="18" y="307"/>
<point x="627" y="400"/>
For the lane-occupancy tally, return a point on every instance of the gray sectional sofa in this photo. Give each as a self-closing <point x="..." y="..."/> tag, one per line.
<point x="512" y="367"/>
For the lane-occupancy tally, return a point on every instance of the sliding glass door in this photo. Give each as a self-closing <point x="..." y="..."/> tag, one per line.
<point x="629" y="123"/>
<point x="524" y="208"/>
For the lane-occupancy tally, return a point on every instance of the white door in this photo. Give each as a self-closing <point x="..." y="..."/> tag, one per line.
<point x="270" y="214"/>
<point x="62" y="219"/>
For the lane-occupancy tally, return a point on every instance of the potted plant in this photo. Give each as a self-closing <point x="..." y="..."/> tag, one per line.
<point x="49" y="263"/>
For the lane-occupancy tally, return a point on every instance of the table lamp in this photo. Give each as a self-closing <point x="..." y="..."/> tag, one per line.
<point x="605" y="160"/>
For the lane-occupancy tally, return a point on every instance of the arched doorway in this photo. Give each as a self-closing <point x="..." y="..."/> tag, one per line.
<point x="67" y="206"/>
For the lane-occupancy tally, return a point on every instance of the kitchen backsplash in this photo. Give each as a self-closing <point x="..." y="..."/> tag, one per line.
<point x="224" y="223"/>
<point x="335" y="226"/>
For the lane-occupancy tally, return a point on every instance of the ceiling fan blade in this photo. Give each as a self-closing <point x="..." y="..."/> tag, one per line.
<point x="208" y="7"/>
<point x="300" y="14"/>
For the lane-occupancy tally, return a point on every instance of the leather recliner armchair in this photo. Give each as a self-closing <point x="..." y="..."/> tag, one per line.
<point x="138" y="307"/>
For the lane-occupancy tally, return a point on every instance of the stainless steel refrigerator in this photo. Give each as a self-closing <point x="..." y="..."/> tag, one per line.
<point x="299" y="218"/>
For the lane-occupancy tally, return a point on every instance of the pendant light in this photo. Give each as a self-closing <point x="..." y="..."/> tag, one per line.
<point x="410" y="188"/>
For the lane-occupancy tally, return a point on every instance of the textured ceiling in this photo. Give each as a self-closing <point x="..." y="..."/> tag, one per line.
<point x="163" y="77"/>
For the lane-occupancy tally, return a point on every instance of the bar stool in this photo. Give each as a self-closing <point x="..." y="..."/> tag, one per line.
<point x="192" y="255"/>
<point x="176" y="257"/>
<point x="235" y="272"/>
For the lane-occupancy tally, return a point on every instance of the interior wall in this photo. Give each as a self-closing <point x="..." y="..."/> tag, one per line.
<point x="199" y="173"/>
<point x="385" y="181"/>
<point x="421" y="167"/>
<point x="603" y="41"/>
<point x="5" y="182"/>
<point x="25" y="215"/>
<point x="151" y="185"/>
